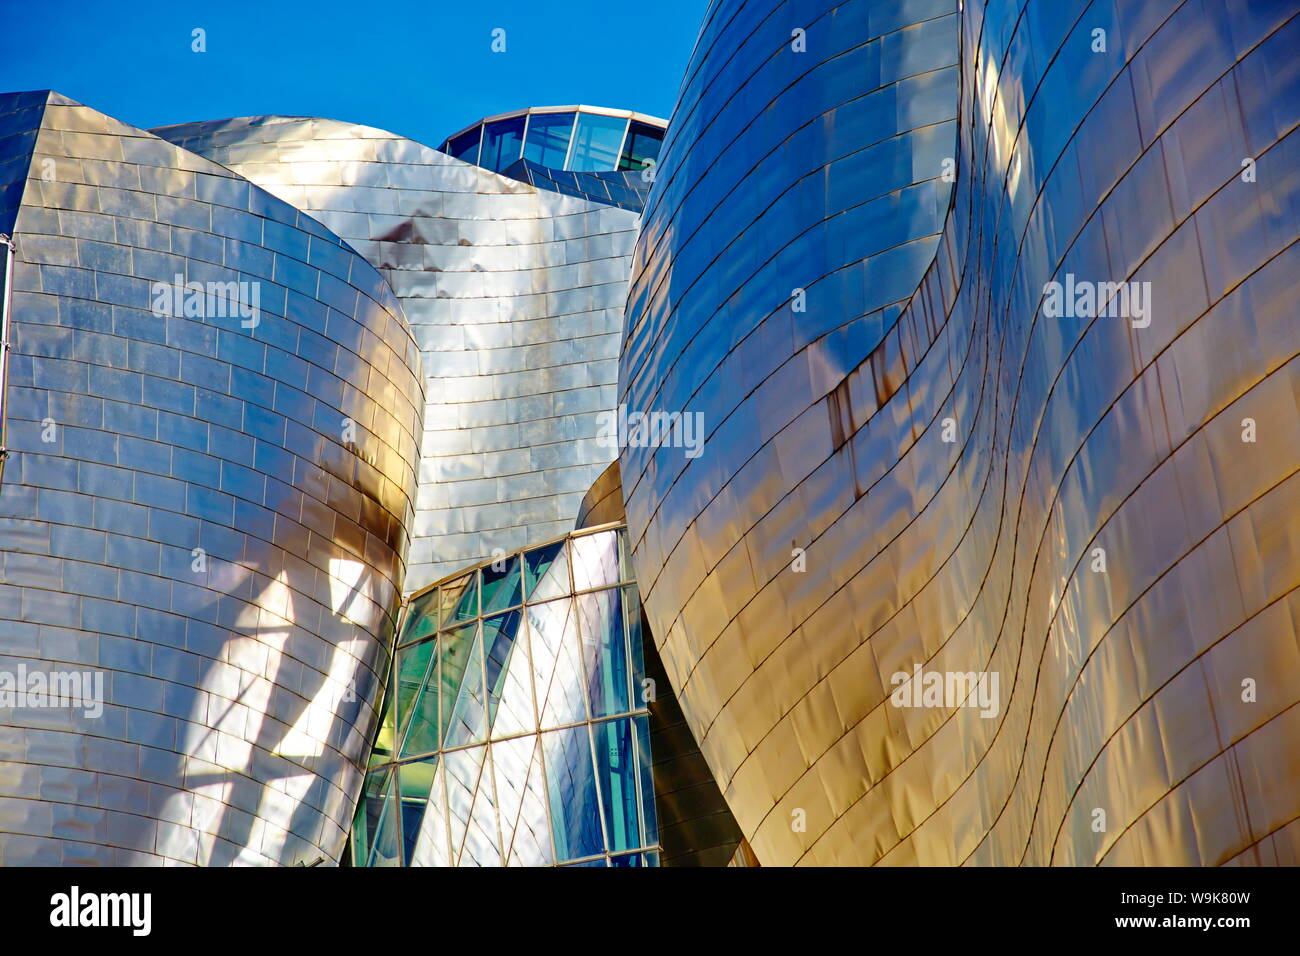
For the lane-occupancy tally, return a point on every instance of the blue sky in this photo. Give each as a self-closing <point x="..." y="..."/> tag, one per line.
<point x="421" y="69"/>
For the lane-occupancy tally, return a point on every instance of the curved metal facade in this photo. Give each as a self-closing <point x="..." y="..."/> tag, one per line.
<point x="517" y="731"/>
<point x="209" y="513"/>
<point x="514" y="294"/>
<point x="1103" y="511"/>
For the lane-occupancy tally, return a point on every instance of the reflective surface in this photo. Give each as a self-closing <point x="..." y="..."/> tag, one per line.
<point x="515" y="730"/>
<point x="514" y="294"/>
<point x="577" y="138"/>
<point x="186" y="510"/>
<point x="947" y="457"/>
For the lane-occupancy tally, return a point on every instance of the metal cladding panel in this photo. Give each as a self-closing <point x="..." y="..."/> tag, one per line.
<point x="206" y="507"/>
<point x="936" y="462"/>
<point x="514" y="294"/>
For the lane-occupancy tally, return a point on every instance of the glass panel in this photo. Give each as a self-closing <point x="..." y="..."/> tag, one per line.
<point x="465" y="146"/>
<point x="415" y="781"/>
<point x="649" y="819"/>
<point x="431" y="847"/>
<point x="377" y="819"/>
<point x="625" y="568"/>
<point x="503" y="142"/>
<point x="557" y="662"/>
<point x="616" y="769"/>
<point x="472" y="808"/>
<point x="571" y="782"/>
<point x="510" y="694"/>
<point x="386" y="739"/>
<point x="643" y="142"/>
<point x="461" y="654"/>
<point x="600" y="622"/>
<point x="596" y="142"/>
<point x="548" y="139"/>
<point x="521" y="796"/>
<point x="502" y="588"/>
<point x="421" y="619"/>
<point x="459" y="600"/>
<point x="595" y="560"/>
<point x="417" y="695"/>
<point x="641" y="693"/>
<point x="629" y="859"/>
<point x="547" y="572"/>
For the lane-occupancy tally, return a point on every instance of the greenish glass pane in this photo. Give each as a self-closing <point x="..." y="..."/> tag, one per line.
<point x="546" y="571"/>
<point x="415" y="780"/>
<point x="571" y="786"/>
<point x="508" y="681"/>
<point x="649" y="818"/>
<point x="604" y="650"/>
<point x="386" y="739"/>
<point x="616" y="771"/>
<point x="421" y="618"/>
<point x="635" y="648"/>
<point x="417" y="705"/>
<point x="465" y="718"/>
<point x="626" y="571"/>
<point x="504" y="588"/>
<point x="377" y="816"/>
<point x="643" y="143"/>
<point x="459" y="600"/>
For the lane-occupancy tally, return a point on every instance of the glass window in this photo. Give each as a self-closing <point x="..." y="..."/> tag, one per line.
<point x="502" y="589"/>
<point x="596" y="143"/>
<point x="417" y="700"/>
<point x="595" y="560"/>
<point x="600" y="621"/>
<point x="548" y="139"/>
<point x="465" y="146"/>
<point x="430" y="847"/>
<point x="376" y="821"/>
<point x="571" y="784"/>
<point x="463" y="694"/>
<point x="503" y="142"/>
<point x="616" y="770"/>
<point x="547" y="572"/>
<point x="557" y="662"/>
<point x="510" y="697"/>
<point x="649" y="818"/>
<point x="643" y="142"/>
<point x="460" y="600"/>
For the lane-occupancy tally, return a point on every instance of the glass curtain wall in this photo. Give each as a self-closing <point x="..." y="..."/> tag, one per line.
<point x="515" y="730"/>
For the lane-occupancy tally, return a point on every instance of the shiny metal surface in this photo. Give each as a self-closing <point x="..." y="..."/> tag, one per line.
<point x="919" y="467"/>
<point x="514" y="294"/>
<point x="186" y="512"/>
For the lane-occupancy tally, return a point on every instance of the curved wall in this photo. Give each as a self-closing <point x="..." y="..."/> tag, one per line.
<point x="514" y="294"/>
<point x="948" y="468"/>
<point x="184" y="513"/>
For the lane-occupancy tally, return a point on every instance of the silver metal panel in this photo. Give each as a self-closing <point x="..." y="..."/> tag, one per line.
<point x="186" y="513"/>
<point x="514" y="294"/>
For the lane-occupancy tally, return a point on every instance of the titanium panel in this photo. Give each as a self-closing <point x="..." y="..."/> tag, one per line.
<point x="514" y="294"/>
<point x="209" y="511"/>
<point x="917" y="464"/>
